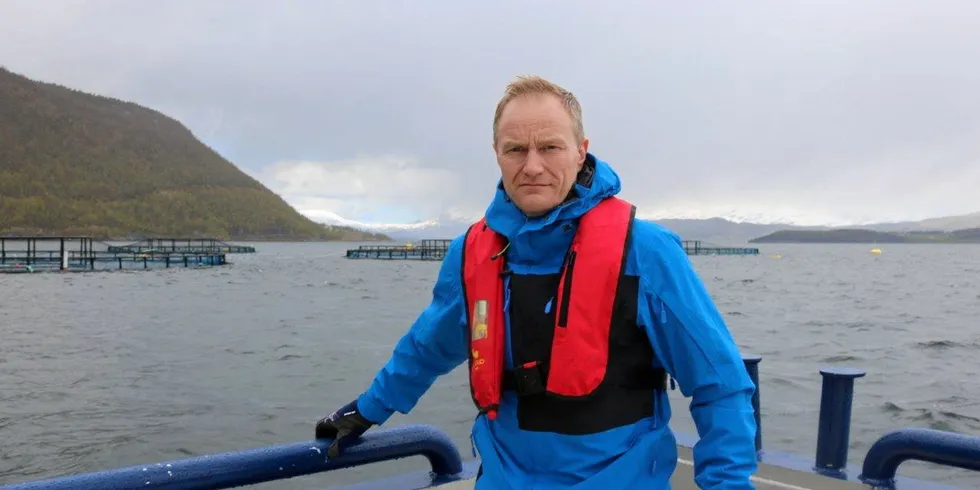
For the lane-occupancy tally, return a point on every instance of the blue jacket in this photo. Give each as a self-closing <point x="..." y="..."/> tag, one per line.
<point x="688" y="335"/>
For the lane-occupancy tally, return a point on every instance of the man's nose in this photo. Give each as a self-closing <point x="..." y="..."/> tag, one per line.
<point x="534" y="165"/>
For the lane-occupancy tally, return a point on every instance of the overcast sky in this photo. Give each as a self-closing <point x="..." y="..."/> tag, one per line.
<point x="821" y="111"/>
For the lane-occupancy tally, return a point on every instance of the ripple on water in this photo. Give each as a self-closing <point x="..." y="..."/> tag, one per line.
<point x="132" y="368"/>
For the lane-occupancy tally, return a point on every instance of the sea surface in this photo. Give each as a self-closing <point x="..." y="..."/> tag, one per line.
<point x="104" y="369"/>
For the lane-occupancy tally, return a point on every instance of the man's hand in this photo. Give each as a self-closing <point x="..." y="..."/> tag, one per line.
<point x="343" y="426"/>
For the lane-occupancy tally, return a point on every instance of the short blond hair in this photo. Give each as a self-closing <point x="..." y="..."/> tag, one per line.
<point x="533" y="85"/>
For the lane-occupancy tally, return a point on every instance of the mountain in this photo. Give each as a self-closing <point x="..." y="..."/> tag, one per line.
<point x="947" y="229"/>
<point x="859" y="235"/>
<point x="719" y="230"/>
<point x="714" y="230"/>
<point x="438" y="228"/>
<point x="946" y="223"/>
<point x="73" y="163"/>
<point x="442" y="227"/>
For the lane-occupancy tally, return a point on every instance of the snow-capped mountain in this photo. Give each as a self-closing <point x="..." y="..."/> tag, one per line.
<point x="442" y="227"/>
<point x="731" y="229"/>
<point x="711" y="229"/>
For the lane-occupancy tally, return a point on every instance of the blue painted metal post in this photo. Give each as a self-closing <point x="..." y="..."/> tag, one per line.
<point x="752" y="367"/>
<point x="933" y="446"/>
<point x="834" y="431"/>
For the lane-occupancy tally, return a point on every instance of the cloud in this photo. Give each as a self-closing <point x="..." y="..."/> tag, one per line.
<point x="355" y="188"/>
<point x="830" y="110"/>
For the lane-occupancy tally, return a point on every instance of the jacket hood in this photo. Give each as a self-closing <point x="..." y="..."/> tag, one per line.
<point x="596" y="181"/>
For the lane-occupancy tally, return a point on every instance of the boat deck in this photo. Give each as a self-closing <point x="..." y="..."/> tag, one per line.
<point x="767" y="478"/>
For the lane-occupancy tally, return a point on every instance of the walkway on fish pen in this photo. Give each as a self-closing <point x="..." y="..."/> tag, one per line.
<point x="437" y="249"/>
<point x="698" y="247"/>
<point x="189" y="245"/>
<point x="432" y="249"/>
<point x="80" y="254"/>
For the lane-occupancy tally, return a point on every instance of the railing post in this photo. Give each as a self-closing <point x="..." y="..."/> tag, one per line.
<point x="752" y="367"/>
<point x="929" y="445"/>
<point x="834" y="429"/>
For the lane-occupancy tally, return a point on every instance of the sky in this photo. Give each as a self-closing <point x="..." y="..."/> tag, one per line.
<point x="817" y="112"/>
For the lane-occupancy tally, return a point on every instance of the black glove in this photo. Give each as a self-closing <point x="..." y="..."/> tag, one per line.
<point x="343" y="426"/>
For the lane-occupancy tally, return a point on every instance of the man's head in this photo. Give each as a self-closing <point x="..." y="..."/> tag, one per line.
<point x="540" y="143"/>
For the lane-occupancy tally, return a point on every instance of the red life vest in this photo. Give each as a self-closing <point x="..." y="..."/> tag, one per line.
<point x="580" y="348"/>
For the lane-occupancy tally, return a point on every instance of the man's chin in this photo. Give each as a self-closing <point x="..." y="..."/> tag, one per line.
<point x="534" y="207"/>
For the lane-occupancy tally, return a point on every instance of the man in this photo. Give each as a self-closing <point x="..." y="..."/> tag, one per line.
<point x="593" y="307"/>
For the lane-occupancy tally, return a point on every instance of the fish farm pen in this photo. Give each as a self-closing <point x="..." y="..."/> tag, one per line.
<point x="697" y="247"/>
<point x="191" y="245"/>
<point x="436" y="250"/>
<point x="78" y="254"/>
<point x="420" y="250"/>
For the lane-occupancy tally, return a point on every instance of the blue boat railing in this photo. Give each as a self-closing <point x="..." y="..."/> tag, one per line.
<point x="928" y="445"/>
<point x="259" y="465"/>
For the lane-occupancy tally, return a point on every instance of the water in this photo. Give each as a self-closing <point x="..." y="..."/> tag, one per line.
<point x="104" y="369"/>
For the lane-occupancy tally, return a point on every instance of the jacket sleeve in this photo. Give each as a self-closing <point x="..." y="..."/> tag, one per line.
<point x="435" y="344"/>
<point x="694" y="345"/>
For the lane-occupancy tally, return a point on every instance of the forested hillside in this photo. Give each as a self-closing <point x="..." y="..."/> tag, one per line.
<point x="72" y="163"/>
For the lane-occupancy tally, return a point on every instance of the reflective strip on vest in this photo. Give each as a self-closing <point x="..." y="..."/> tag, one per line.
<point x="483" y="264"/>
<point x="585" y="300"/>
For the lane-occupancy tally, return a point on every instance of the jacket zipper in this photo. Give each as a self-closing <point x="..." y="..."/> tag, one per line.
<point x="566" y="290"/>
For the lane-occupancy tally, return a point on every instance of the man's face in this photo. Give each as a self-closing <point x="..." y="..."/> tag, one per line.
<point x="537" y="151"/>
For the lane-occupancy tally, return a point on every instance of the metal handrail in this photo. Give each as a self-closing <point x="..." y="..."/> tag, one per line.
<point x="932" y="446"/>
<point x="253" y="466"/>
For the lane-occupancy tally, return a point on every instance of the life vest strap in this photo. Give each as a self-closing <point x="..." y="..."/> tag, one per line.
<point x="531" y="379"/>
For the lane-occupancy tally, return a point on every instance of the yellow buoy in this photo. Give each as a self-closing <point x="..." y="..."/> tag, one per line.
<point x="876" y="251"/>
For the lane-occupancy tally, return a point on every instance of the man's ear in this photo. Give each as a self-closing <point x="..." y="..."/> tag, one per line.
<point x="583" y="149"/>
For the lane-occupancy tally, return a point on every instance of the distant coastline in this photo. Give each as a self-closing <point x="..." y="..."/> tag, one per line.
<point x="971" y="235"/>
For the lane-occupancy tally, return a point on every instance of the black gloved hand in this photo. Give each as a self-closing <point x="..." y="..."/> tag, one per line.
<point x="343" y="426"/>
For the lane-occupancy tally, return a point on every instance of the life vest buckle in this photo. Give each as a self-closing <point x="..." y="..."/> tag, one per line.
<point x="529" y="379"/>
